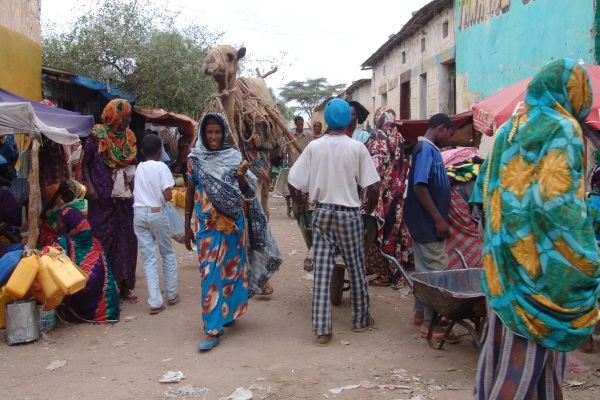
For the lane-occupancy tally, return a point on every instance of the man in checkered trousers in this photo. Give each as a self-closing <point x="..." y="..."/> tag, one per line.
<point x="330" y="169"/>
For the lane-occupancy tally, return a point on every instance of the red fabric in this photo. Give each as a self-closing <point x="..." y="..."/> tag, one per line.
<point x="499" y="107"/>
<point x="464" y="235"/>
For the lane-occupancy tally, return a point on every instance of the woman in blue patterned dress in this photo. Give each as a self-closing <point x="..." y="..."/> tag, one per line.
<point x="217" y="186"/>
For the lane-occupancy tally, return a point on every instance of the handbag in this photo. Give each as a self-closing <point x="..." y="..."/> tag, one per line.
<point x="175" y="223"/>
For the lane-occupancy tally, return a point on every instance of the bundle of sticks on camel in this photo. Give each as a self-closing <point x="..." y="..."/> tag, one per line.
<point x="258" y="128"/>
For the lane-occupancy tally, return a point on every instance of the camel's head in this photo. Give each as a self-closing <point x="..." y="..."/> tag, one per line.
<point x="221" y="62"/>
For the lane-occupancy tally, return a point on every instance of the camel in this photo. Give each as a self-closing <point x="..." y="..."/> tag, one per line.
<point x="254" y="119"/>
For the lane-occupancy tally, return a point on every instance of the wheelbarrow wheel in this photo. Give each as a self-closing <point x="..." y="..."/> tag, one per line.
<point x="337" y="285"/>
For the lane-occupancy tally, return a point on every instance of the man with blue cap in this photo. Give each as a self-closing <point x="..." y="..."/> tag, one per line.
<point x="329" y="169"/>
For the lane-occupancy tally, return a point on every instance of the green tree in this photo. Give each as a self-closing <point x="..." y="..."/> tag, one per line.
<point x="308" y="94"/>
<point x="137" y="47"/>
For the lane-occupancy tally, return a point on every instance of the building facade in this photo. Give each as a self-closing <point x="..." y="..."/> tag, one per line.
<point x="414" y="71"/>
<point x="20" y="48"/>
<point x="500" y="42"/>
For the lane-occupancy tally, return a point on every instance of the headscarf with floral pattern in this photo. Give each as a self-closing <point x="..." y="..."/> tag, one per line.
<point x="541" y="270"/>
<point x="116" y="145"/>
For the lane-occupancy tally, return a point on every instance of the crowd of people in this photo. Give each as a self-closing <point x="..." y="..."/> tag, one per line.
<point x="526" y="216"/>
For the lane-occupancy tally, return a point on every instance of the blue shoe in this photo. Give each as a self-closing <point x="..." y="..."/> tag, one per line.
<point x="229" y="324"/>
<point x="206" y="344"/>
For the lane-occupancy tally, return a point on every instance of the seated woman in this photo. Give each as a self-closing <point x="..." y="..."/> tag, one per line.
<point x="64" y="224"/>
<point x="69" y="193"/>
<point x="99" y="301"/>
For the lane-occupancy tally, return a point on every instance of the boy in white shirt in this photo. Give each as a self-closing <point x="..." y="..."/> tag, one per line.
<point x="153" y="184"/>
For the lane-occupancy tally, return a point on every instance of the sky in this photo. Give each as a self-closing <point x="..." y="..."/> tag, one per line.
<point x="320" y="38"/>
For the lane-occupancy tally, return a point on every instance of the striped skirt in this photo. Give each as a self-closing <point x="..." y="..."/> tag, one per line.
<point x="512" y="367"/>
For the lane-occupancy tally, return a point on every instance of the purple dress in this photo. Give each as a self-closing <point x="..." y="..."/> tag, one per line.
<point x="116" y="235"/>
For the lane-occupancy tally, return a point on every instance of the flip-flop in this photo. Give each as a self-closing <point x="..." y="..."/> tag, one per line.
<point x="380" y="282"/>
<point x="323" y="340"/>
<point x="131" y="298"/>
<point x="156" y="310"/>
<point x="399" y="284"/>
<point x="437" y="336"/>
<point x="366" y="327"/>
<point x="266" y="290"/>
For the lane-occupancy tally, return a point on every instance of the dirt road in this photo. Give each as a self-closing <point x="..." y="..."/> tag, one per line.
<point x="270" y="351"/>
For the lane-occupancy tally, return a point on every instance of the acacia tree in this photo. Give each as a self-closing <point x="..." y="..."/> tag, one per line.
<point x="308" y="94"/>
<point x="135" y="46"/>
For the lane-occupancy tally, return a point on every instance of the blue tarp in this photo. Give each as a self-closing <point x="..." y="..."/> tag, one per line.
<point x="74" y="122"/>
<point x="108" y="91"/>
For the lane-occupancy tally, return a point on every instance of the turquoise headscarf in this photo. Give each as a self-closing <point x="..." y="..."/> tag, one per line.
<point x="541" y="269"/>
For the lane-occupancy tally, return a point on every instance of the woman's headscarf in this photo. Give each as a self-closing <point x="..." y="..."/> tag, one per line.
<point x="541" y="269"/>
<point x="386" y="147"/>
<point x="361" y="112"/>
<point x="116" y="145"/>
<point x="77" y="190"/>
<point x="217" y="169"/>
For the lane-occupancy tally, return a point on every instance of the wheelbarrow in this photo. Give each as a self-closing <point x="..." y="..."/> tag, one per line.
<point x="339" y="271"/>
<point x="454" y="294"/>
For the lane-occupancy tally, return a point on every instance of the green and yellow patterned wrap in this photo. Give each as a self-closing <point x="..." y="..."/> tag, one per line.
<point x="541" y="269"/>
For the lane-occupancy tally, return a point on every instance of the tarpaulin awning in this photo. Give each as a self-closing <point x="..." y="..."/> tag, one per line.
<point x="105" y="89"/>
<point x="21" y="118"/>
<point x="187" y="126"/>
<point x="411" y="129"/>
<point x="489" y="114"/>
<point x="73" y="122"/>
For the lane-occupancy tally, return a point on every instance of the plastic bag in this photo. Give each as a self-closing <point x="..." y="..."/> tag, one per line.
<point x="176" y="223"/>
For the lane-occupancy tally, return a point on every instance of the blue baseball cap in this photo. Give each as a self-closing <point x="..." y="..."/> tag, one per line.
<point x="337" y="114"/>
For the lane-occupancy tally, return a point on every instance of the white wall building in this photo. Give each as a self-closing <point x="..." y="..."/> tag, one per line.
<point x="414" y="71"/>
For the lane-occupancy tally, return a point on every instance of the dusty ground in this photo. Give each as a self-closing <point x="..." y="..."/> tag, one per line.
<point x="271" y="350"/>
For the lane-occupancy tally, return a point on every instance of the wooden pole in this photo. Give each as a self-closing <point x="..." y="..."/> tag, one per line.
<point x="34" y="194"/>
<point x="287" y="133"/>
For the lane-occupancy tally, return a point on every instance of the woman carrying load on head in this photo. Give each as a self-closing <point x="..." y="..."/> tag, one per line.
<point x="540" y="258"/>
<point x="108" y="168"/>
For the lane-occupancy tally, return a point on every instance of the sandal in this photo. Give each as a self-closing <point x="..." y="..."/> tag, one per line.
<point x="266" y="290"/>
<point x="156" y="310"/>
<point x="366" y="327"/>
<point x="174" y="300"/>
<point x="399" y="284"/>
<point x="439" y="334"/>
<point x="380" y="281"/>
<point x="323" y="340"/>
<point x="131" y="298"/>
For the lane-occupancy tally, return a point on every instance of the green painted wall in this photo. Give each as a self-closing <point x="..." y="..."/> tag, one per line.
<point x="20" y="64"/>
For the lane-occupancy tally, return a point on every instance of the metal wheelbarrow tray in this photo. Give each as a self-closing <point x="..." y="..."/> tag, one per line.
<point x="454" y="294"/>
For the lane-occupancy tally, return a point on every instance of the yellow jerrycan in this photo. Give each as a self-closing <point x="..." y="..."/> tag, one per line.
<point x="22" y="277"/>
<point x="69" y="277"/>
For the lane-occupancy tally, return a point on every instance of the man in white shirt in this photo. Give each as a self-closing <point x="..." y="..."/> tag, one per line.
<point x="329" y="169"/>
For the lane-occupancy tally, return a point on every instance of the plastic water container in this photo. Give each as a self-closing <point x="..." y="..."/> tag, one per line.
<point x="48" y="303"/>
<point x="43" y="278"/>
<point x="67" y="275"/>
<point x="8" y="263"/>
<point x="47" y="319"/>
<point x="20" y="280"/>
<point x="4" y="298"/>
<point x="22" y="322"/>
